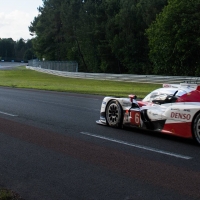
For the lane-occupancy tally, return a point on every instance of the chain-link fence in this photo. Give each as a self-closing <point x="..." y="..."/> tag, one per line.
<point x="68" y="66"/>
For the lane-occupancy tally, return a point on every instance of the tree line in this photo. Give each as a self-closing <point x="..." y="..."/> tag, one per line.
<point x="102" y="35"/>
<point x="17" y="51"/>
<point x="120" y="36"/>
<point x="174" y="39"/>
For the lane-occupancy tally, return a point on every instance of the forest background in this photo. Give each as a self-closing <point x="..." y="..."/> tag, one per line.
<point x="159" y="37"/>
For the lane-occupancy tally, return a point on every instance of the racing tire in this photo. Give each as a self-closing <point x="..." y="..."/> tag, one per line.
<point x="196" y="128"/>
<point x="114" y="114"/>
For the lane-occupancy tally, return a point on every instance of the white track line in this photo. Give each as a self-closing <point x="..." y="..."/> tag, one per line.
<point x="138" y="146"/>
<point x="12" y="115"/>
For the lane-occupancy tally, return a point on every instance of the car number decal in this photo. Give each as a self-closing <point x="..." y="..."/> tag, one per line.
<point x="135" y="118"/>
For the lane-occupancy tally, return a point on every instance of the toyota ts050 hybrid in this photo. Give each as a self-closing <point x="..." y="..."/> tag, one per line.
<point x="173" y="109"/>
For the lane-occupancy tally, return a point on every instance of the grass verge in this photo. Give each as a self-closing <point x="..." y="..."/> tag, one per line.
<point x="9" y="195"/>
<point x="23" y="78"/>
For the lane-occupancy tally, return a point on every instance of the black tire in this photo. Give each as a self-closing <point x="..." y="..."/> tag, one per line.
<point x="114" y="114"/>
<point x="196" y="128"/>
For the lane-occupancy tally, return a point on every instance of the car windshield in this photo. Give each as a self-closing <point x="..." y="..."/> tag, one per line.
<point x="162" y="93"/>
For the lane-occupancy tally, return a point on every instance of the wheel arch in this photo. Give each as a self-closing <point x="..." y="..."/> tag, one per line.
<point x="194" y="117"/>
<point x="113" y="99"/>
<point x="192" y="127"/>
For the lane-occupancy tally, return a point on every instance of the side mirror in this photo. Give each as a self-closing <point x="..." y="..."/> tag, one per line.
<point x="133" y="101"/>
<point x="132" y="96"/>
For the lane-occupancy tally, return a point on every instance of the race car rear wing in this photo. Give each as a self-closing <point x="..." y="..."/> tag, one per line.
<point x="192" y="86"/>
<point x="171" y="85"/>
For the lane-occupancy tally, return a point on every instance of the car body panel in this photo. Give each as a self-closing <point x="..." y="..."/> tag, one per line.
<point x="169" y="110"/>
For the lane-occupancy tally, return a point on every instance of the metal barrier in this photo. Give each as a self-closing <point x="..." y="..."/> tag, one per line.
<point x="69" y="66"/>
<point x="121" y="77"/>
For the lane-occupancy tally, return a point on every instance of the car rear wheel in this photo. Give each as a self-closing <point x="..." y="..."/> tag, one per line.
<point x="114" y="114"/>
<point x="196" y="128"/>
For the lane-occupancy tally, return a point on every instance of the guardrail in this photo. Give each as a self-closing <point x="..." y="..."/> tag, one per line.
<point x="120" y="77"/>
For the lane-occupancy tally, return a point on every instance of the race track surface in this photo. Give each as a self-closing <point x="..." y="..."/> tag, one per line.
<point x="51" y="148"/>
<point x="10" y="65"/>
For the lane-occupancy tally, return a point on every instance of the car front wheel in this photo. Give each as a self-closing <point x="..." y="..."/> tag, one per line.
<point x="114" y="114"/>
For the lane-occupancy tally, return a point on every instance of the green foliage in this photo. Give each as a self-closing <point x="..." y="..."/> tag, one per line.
<point x="174" y="39"/>
<point x="6" y="194"/>
<point x="15" y="50"/>
<point x="115" y="36"/>
<point x="102" y="35"/>
<point x="7" y="49"/>
<point x="48" y="27"/>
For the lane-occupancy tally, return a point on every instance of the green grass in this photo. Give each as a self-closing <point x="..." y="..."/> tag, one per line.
<point x="6" y="194"/>
<point x="23" y="78"/>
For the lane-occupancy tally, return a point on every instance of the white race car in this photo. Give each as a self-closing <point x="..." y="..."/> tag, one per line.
<point x="173" y="109"/>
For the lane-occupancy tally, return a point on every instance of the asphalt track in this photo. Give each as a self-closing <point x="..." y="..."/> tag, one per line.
<point x="9" y="65"/>
<point x="51" y="148"/>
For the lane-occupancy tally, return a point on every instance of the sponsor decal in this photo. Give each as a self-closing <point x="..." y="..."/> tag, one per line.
<point x="166" y="85"/>
<point x="125" y="104"/>
<point x="180" y="115"/>
<point x="104" y="102"/>
<point x="126" y="116"/>
<point x="186" y="110"/>
<point x="175" y="109"/>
